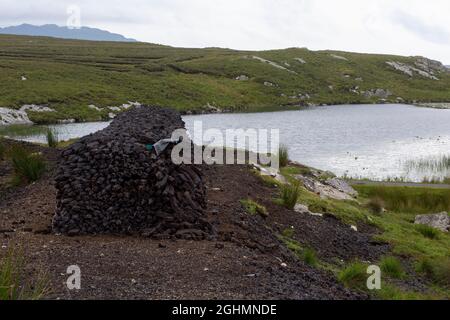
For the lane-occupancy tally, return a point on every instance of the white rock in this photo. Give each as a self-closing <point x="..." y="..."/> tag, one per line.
<point x="36" y="108"/>
<point x="93" y="107"/>
<point x="242" y="77"/>
<point x="11" y="116"/>
<point x="66" y="121"/>
<point x="303" y="209"/>
<point x="354" y="228"/>
<point x="440" y="221"/>
<point x="323" y="190"/>
<point x="300" y="60"/>
<point x="273" y="64"/>
<point x="338" y="57"/>
<point x="342" y="185"/>
<point x="24" y="78"/>
<point x="410" y="70"/>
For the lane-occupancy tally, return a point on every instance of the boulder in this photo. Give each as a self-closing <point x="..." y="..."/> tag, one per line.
<point x="322" y="189"/>
<point x="242" y="78"/>
<point x="439" y="221"/>
<point x="303" y="209"/>
<point x="11" y="116"/>
<point x="342" y="185"/>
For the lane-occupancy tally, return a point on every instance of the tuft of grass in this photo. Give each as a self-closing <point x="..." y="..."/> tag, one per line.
<point x="288" y="233"/>
<point x="28" y="167"/>
<point x="392" y="267"/>
<point x="290" y="194"/>
<point x="254" y="208"/>
<point x="52" y="140"/>
<point x="427" y="231"/>
<point x="376" y="205"/>
<point x="14" y="284"/>
<point x="283" y="156"/>
<point x="309" y="256"/>
<point x="438" y="270"/>
<point x="354" y="276"/>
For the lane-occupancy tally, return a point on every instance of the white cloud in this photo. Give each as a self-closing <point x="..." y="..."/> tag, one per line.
<point x="406" y="27"/>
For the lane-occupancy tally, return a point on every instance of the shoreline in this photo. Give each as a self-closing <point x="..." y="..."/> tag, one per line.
<point x="197" y="112"/>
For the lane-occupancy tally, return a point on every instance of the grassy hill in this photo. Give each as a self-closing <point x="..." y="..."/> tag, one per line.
<point x="70" y="75"/>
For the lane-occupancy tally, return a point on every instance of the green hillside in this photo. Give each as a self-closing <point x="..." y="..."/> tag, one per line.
<point x="70" y="75"/>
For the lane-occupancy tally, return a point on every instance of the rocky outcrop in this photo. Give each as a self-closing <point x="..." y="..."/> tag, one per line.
<point x="422" y="66"/>
<point x="273" y="64"/>
<point x="36" y="108"/>
<point x="335" y="56"/>
<point x="11" y="116"/>
<point x="440" y="221"/>
<point x="342" y="186"/>
<point x="435" y="105"/>
<point x="430" y="66"/>
<point x="242" y="77"/>
<point x="300" y="60"/>
<point x="115" y="182"/>
<point x="377" y="93"/>
<point x="113" y="110"/>
<point x="333" y="188"/>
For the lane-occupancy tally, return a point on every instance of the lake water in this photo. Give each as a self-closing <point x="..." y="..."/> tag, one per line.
<point x="361" y="141"/>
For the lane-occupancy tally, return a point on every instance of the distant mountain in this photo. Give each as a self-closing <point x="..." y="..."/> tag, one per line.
<point x="52" y="30"/>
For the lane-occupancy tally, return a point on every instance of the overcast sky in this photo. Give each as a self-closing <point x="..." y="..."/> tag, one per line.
<point x="406" y="27"/>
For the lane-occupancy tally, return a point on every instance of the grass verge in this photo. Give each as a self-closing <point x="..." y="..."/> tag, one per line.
<point x="14" y="284"/>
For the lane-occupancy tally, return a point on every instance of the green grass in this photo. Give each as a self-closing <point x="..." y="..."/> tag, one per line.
<point x="437" y="270"/>
<point x="254" y="208"/>
<point x="396" y="228"/>
<point x="289" y="194"/>
<point x="376" y="205"/>
<point x="405" y="199"/>
<point x="427" y="231"/>
<point x="354" y="276"/>
<point x="392" y="267"/>
<point x="309" y="256"/>
<point x="28" y="167"/>
<point x="21" y="130"/>
<point x="69" y="75"/>
<point x="283" y="156"/>
<point x="305" y="254"/>
<point x="392" y="292"/>
<point x="52" y="140"/>
<point x="15" y="283"/>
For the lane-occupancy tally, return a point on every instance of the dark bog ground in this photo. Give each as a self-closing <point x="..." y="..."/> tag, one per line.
<point x="247" y="261"/>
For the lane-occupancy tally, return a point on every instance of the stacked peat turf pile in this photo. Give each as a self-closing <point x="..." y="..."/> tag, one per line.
<point x="113" y="182"/>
